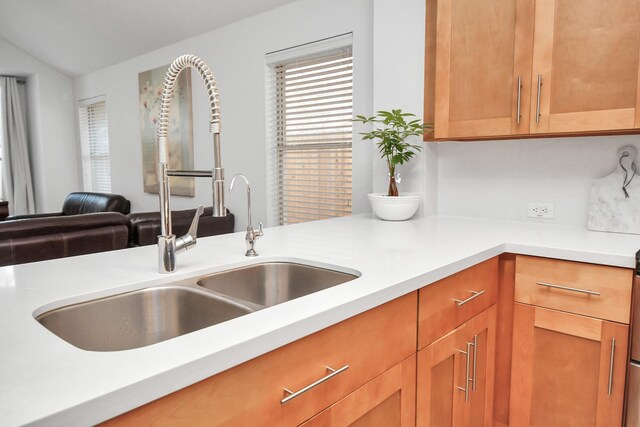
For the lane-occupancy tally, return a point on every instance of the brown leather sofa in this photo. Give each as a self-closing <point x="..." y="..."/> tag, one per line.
<point x="144" y="227"/>
<point x="85" y="202"/>
<point x="84" y="227"/>
<point x="37" y="239"/>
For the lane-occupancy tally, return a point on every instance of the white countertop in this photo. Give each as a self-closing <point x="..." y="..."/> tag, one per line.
<point x="46" y="381"/>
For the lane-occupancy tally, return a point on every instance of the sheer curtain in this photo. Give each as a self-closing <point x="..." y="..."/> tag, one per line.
<point x="17" y="186"/>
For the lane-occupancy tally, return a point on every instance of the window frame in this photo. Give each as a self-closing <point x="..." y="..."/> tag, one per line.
<point x="321" y="50"/>
<point x="86" y="157"/>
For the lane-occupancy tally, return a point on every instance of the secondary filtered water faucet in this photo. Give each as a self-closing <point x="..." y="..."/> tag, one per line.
<point x="252" y="235"/>
<point x="168" y="245"/>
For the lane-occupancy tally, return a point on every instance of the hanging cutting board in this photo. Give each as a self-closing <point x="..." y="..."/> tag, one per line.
<point x="609" y="208"/>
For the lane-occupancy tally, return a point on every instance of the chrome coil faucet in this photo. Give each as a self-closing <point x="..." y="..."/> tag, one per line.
<point x="168" y="245"/>
<point x="251" y="236"/>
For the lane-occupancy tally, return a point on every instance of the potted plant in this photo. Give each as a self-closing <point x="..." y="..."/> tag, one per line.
<point x="390" y="131"/>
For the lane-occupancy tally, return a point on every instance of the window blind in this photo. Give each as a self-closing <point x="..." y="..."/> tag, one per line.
<point x="313" y="134"/>
<point x="95" y="147"/>
<point x="1" y="141"/>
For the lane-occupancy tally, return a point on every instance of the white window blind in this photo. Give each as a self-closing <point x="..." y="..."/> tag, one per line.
<point x="313" y="134"/>
<point x="1" y="141"/>
<point x="95" y="146"/>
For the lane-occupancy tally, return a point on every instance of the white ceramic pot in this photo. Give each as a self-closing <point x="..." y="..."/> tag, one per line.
<point x="395" y="208"/>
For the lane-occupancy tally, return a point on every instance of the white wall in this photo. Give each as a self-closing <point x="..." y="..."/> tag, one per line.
<point x="51" y="127"/>
<point x="236" y="55"/>
<point x="492" y="179"/>
<point x="398" y="63"/>
<point x="496" y="179"/>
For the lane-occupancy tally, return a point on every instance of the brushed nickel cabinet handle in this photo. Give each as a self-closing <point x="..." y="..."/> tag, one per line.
<point x="538" y="103"/>
<point x="294" y="394"/>
<point x="518" y="110"/>
<point x="613" y="353"/>
<point x="568" y="288"/>
<point x="475" y="295"/>
<point x="466" y="375"/>
<point x="475" y="362"/>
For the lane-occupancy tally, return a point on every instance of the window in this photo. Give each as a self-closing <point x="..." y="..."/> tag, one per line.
<point x="311" y="113"/>
<point x="1" y="142"/>
<point x="94" y="141"/>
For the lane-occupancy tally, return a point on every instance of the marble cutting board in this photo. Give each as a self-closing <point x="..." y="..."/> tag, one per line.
<point x="609" y="209"/>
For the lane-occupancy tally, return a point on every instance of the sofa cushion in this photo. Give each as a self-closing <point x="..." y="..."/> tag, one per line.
<point x="20" y="228"/>
<point x="83" y="202"/>
<point x="29" y="240"/>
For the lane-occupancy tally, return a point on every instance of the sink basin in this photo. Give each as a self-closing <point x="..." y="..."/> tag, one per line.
<point x="140" y="318"/>
<point x="272" y="283"/>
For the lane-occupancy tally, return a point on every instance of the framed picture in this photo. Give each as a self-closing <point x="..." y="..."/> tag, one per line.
<point x="180" y="137"/>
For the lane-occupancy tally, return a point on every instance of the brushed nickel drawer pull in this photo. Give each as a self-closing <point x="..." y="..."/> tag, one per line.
<point x="294" y="394"/>
<point x="538" y="103"/>
<point x="613" y="353"/>
<point x="568" y="288"/>
<point x="475" y="362"/>
<point x="518" y="111"/>
<point x="475" y="295"/>
<point x="466" y="374"/>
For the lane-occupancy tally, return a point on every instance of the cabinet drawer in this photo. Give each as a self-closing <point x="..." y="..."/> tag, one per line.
<point x="592" y="290"/>
<point x="370" y="344"/>
<point x="450" y="302"/>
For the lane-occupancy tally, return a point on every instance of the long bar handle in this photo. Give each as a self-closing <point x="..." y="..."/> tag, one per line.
<point x="475" y="295"/>
<point x="568" y="288"/>
<point x="475" y="362"/>
<point x="466" y="375"/>
<point x="538" y="103"/>
<point x="294" y="394"/>
<point x="518" y="109"/>
<point x="613" y="353"/>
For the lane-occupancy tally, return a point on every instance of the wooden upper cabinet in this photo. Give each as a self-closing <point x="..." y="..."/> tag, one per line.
<point x="477" y="52"/>
<point x="587" y="55"/>
<point x="577" y="61"/>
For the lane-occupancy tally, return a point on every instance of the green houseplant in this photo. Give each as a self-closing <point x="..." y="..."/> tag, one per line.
<point x="390" y="131"/>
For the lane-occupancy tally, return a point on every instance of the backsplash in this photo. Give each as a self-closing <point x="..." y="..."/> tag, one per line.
<point x="497" y="179"/>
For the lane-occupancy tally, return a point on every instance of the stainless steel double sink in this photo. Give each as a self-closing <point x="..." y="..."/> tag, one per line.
<point x="151" y="315"/>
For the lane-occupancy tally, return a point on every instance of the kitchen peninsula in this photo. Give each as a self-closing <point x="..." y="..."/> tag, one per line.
<point x="46" y="381"/>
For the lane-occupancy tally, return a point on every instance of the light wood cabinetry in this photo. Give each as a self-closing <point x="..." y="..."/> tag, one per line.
<point x="478" y="59"/>
<point x="388" y="400"/>
<point x="455" y="375"/>
<point x="370" y="344"/>
<point x="456" y="338"/>
<point x="514" y="68"/>
<point x="587" y="54"/>
<point x="567" y="369"/>
<point x="592" y="290"/>
<point x="570" y="339"/>
<point x="450" y="302"/>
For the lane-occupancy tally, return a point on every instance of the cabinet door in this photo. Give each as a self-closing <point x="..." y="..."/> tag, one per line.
<point x="481" y="332"/>
<point x="483" y="48"/>
<point x="442" y="380"/>
<point x="388" y="400"/>
<point x="587" y="55"/>
<point x="567" y="369"/>
<point x="455" y="376"/>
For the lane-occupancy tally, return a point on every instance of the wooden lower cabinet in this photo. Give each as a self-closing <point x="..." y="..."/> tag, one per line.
<point x="567" y="369"/>
<point x="388" y="400"/>
<point x="372" y="344"/>
<point x="455" y="376"/>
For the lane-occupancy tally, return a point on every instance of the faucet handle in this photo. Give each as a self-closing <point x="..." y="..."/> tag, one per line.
<point x="193" y="229"/>
<point x="188" y="240"/>
<point x="260" y="233"/>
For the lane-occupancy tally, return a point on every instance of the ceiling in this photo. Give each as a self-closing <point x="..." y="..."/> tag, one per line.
<point x="80" y="36"/>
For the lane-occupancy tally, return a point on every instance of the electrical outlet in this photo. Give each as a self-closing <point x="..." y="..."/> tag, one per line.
<point x="540" y="210"/>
